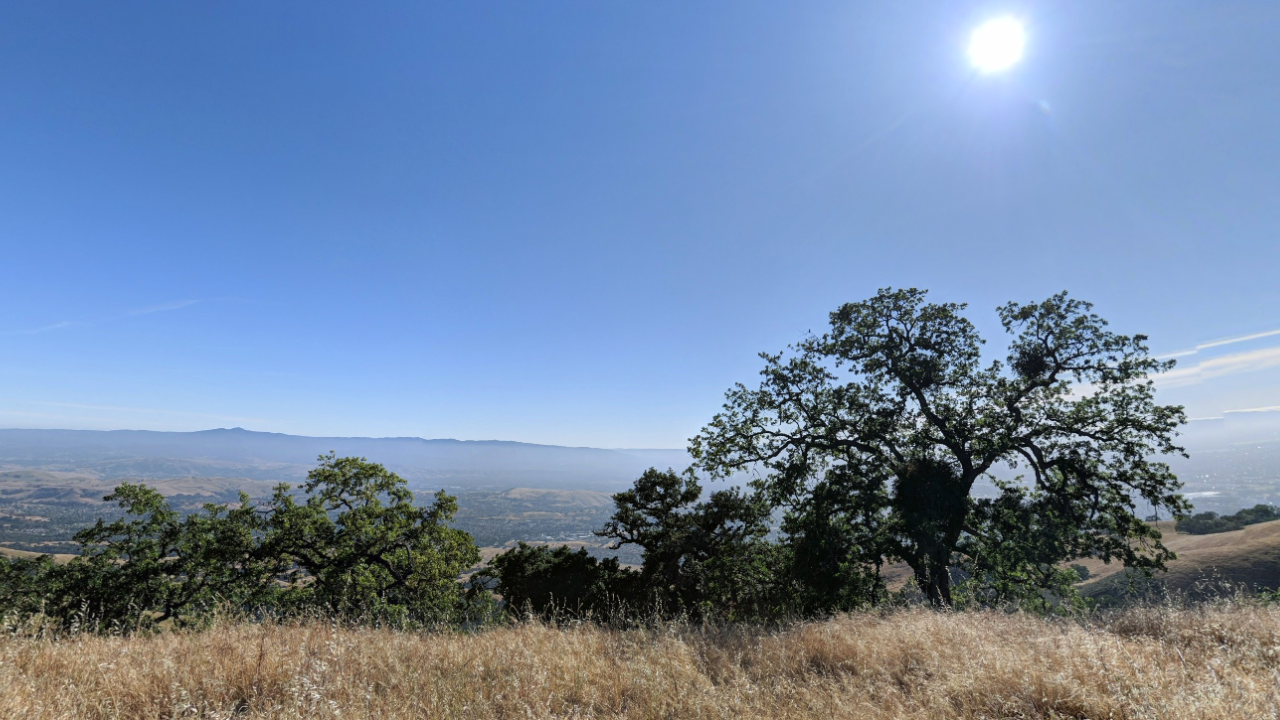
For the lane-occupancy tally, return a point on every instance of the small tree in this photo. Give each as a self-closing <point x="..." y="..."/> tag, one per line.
<point x="559" y="581"/>
<point x="705" y="558"/>
<point x="153" y="564"/>
<point x="25" y="585"/>
<point x="891" y="417"/>
<point x="355" y="547"/>
<point x="359" y="547"/>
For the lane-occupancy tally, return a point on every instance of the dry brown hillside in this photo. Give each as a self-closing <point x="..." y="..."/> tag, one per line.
<point x="11" y="553"/>
<point x="1250" y="557"/>
<point x="43" y="486"/>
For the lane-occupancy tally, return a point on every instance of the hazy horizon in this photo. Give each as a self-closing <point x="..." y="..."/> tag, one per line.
<point x="1198" y="434"/>
<point x="577" y="225"/>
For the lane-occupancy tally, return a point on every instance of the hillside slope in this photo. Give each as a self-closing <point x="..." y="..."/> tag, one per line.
<point x="1250" y="556"/>
<point x="26" y="554"/>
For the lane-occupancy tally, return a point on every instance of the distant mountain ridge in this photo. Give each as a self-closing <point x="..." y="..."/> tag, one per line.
<point x="236" y="452"/>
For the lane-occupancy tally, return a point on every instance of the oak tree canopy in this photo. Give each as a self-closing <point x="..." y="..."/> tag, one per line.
<point x="872" y="436"/>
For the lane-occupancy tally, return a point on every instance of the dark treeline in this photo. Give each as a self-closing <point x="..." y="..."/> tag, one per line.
<point x="1208" y="523"/>
<point x="863" y="444"/>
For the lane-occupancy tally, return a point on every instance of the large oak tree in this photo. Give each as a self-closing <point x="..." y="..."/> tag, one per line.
<point x="884" y="424"/>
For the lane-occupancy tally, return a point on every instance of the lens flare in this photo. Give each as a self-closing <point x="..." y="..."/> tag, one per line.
<point x="997" y="45"/>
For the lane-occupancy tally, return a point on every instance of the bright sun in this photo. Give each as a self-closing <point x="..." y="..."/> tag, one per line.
<point x="997" y="45"/>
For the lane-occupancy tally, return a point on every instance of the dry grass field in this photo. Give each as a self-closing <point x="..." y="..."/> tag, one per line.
<point x="26" y="554"/>
<point x="1221" y="661"/>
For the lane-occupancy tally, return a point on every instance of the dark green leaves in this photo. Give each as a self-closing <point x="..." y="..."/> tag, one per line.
<point x="356" y="547"/>
<point x="359" y="546"/>
<point x="696" y="554"/>
<point x="560" y="582"/>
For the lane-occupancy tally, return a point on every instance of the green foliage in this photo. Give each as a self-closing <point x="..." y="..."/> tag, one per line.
<point x="865" y="442"/>
<point x="152" y="565"/>
<point x="559" y="582"/>
<point x="870" y="438"/>
<point x="1207" y="523"/>
<point x="831" y="536"/>
<point x="24" y="584"/>
<point x="705" y="558"/>
<point x="1258" y="514"/>
<point x="357" y="547"/>
<point x="1017" y="560"/>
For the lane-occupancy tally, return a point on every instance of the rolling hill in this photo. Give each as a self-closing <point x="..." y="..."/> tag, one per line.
<point x="1249" y="557"/>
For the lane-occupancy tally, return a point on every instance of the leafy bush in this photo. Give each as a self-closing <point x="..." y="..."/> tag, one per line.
<point x="360" y="548"/>
<point x="1207" y="523"/>
<point x="550" y="582"/>
<point x="700" y="558"/>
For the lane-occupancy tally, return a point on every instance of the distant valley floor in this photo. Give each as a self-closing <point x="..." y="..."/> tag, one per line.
<point x="40" y="511"/>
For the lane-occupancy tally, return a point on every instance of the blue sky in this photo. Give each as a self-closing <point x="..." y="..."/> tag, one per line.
<point x="577" y="223"/>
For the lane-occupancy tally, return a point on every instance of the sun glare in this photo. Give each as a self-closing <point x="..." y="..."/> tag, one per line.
<point x="997" y="45"/>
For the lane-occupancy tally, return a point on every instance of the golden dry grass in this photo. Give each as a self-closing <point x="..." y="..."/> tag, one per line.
<point x="26" y="554"/>
<point x="1219" y="662"/>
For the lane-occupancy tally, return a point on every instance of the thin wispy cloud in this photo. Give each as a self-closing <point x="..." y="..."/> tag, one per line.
<point x="1219" y="343"/>
<point x="48" y="328"/>
<point x="108" y="319"/>
<point x="1240" y="339"/>
<point x="1268" y="408"/>
<point x="1180" y="353"/>
<point x="1233" y="364"/>
<point x="42" y="329"/>
<point x="176" y="305"/>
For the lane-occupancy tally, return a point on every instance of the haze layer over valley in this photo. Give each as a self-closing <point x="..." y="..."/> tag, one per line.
<point x="273" y="457"/>
<point x="52" y="481"/>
